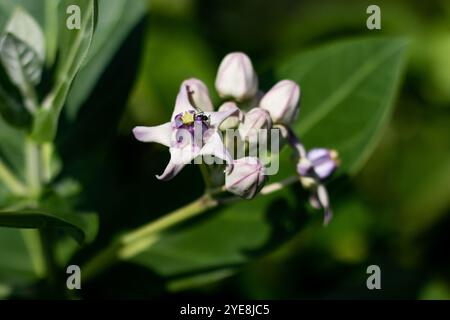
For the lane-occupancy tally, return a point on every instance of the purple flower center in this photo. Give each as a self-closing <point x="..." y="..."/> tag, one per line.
<point x="194" y="123"/>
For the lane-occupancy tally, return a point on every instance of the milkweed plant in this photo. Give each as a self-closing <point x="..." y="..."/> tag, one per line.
<point x="235" y="143"/>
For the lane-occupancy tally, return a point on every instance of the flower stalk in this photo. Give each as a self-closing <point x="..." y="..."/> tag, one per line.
<point x="136" y="241"/>
<point x="131" y="243"/>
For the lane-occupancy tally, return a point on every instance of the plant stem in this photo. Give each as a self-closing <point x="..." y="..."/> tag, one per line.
<point x="134" y="242"/>
<point x="206" y="176"/>
<point x="33" y="243"/>
<point x="46" y="158"/>
<point x="51" y="272"/>
<point x="37" y="167"/>
<point x="140" y="239"/>
<point x="33" y="167"/>
<point x="276" y="186"/>
<point x="11" y="181"/>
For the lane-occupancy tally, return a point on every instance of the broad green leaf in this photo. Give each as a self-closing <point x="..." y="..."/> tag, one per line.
<point x="77" y="225"/>
<point x="73" y="48"/>
<point x="347" y="89"/>
<point x="33" y="7"/>
<point x="17" y="266"/>
<point x="347" y="95"/>
<point x="24" y="27"/>
<point x="22" y="54"/>
<point x="116" y="19"/>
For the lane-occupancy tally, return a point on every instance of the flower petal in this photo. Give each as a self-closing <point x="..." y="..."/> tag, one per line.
<point x="161" y="134"/>
<point x="171" y="171"/>
<point x="216" y="118"/>
<point x="200" y="94"/>
<point x="214" y="146"/>
<point x="182" y="103"/>
<point x="322" y="196"/>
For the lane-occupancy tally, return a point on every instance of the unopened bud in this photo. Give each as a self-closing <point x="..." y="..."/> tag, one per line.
<point x="236" y="77"/>
<point x="282" y="102"/>
<point x="246" y="177"/>
<point x="232" y="122"/>
<point x="254" y="120"/>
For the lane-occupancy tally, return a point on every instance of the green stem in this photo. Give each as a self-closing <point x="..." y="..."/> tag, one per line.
<point x="11" y="181"/>
<point x="206" y="176"/>
<point x="33" y="167"/>
<point x="32" y="241"/>
<point x="38" y="173"/>
<point x="51" y="30"/>
<point x="48" y="254"/>
<point x="135" y="242"/>
<point x="46" y="158"/>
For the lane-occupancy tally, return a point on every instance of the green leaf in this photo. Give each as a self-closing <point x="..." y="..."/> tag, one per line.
<point x="347" y="95"/>
<point x="348" y="89"/>
<point x="51" y="30"/>
<point x="16" y="265"/>
<point x="116" y="19"/>
<point x="33" y="7"/>
<point x="22" y="55"/>
<point x="77" y="225"/>
<point x="73" y="49"/>
<point x="12" y="157"/>
<point x="11" y="106"/>
<point x="24" y="27"/>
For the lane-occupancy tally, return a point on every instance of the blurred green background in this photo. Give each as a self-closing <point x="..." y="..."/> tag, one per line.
<point x="394" y="213"/>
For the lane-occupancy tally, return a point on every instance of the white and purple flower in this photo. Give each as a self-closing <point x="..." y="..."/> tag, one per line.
<point x="319" y="162"/>
<point x="314" y="168"/>
<point x="190" y="133"/>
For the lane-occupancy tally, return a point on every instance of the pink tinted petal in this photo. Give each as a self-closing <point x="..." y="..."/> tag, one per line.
<point x="325" y="169"/>
<point x="328" y="215"/>
<point x="214" y="146"/>
<point x="161" y="134"/>
<point x="179" y="158"/>
<point x="200" y="94"/>
<point x="322" y="196"/>
<point x="171" y="171"/>
<point x="216" y="118"/>
<point x="182" y="103"/>
<point x="317" y="153"/>
<point x="314" y="202"/>
<point x="185" y="154"/>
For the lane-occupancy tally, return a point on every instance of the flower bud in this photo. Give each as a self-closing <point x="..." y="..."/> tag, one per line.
<point x="319" y="162"/>
<point x="254" y="120"/>
<point x="236" y="77"/>
<point x="282" y="102"/>
<point x="246" y="178"/>
<point x="232" y="121"/>
<point x="199" y="94"/>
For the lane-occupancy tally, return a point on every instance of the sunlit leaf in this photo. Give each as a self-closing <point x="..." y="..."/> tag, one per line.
<point x="22" y="54"/>
<point x="73" y="48"/>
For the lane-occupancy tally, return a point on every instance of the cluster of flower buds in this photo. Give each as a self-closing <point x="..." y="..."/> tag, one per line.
<point x="196" y="130"/>
<point x="237" y="82"/>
